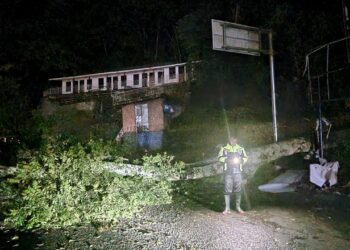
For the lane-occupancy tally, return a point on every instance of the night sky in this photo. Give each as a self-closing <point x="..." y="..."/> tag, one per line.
<point x="52" y="38"/>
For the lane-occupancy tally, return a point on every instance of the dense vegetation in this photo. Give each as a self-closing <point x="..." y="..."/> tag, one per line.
<point x="66" y="183"/>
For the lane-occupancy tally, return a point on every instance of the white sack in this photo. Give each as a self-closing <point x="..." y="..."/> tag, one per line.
<point x="319" y="174"/>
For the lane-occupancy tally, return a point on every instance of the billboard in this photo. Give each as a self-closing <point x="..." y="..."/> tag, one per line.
<point x="233" y="37"/>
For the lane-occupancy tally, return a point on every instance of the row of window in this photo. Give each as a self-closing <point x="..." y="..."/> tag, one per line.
<point x="101" y="82"/>
<point x="123" y="80"/>
<point x="79" y="83"/>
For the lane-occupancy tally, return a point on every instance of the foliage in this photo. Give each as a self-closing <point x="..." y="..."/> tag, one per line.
<point x="161" y="164"/>
<point x="36" y="130"/>
<point x="65" y="183"/>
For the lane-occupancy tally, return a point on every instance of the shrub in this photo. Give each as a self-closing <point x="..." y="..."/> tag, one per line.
<point x="65" y="183"/>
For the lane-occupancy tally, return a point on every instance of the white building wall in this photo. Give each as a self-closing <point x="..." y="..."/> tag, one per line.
<point x="81" y="89"/>
<point x="174" y="80"/>
<point x="177" y="73"/>
<point x="104" y="82"/>
<point x="118" y="82"/>
<point x="85" y="85"/>
<point x="155" y="78"/>
<point x="129" y="79"/>
<point x="94" y="83"/>
<point x="157" y="83"/>
<point x="140" y="82"/>
<point x="166" y="75"/>
<point x="64" y="87"/>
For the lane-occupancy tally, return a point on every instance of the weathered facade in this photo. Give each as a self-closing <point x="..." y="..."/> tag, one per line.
<point x="145" y="121"/>
<point x="146" y="116"/>
<point x="139" y="93"/>
<point x="119" y="80"/>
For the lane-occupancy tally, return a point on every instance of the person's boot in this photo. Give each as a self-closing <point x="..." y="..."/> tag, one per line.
<point x="227" y="204"/>
<point x="238" y="203"/>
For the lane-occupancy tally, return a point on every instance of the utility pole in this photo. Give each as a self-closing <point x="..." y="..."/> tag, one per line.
<point x="273" y="89"/>
<point x="320" y="122"/>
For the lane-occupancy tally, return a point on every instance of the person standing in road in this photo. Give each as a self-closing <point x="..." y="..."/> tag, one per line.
<point x="233" y="156"/>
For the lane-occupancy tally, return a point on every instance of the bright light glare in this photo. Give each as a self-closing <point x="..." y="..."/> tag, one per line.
<point x="236" y="160"/>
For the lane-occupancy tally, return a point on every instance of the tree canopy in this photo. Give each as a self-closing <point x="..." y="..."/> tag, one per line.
<point x="42" y="39"/>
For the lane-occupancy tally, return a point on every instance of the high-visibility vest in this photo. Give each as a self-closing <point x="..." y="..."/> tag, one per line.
<point x="232" y="149"/>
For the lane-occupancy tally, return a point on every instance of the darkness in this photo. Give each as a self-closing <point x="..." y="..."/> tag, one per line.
<point x="52" y="38"/>
<point x="42" y="39"/>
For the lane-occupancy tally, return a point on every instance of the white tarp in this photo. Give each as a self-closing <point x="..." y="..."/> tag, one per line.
<point x="319" y="174"/>
<point x="284" y="183"/>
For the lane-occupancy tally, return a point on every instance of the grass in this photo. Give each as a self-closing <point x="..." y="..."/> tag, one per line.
<point x="198" y="133"/>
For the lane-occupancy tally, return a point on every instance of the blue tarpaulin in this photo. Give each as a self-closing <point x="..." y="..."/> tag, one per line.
<point x="151" y="140"/>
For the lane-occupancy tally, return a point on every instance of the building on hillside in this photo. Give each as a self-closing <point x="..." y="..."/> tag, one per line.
<point x="138" y="92"/>
<point x="118" y="80"/>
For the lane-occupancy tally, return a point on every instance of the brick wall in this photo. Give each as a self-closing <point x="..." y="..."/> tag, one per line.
<point x="156" y="115"/>
<point x="129" y="124"/>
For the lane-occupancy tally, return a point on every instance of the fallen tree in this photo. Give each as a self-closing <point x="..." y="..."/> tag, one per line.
<point x="66" y="183"/>
<point x="257" y="157"/>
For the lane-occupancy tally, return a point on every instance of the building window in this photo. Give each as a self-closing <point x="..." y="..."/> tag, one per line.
<point x="181" y="74"/>
<point x="160" y="77"/>
<point x="172" y="73"/>
<point x="75" y="86"/>
<point x="68" y="86"/>
<point x="144" y="79"/>
<point x="81" y="85"/>
<point x="115" y="82"/>
<point x="136" y="79"/>
<point x="151" y="77"/>
<point x="141" y="116"/>
<point x="89" y="84"/>
<point x="123" y="81"/>
<point x="101" y="83"/>
<point x="109" y="83"/>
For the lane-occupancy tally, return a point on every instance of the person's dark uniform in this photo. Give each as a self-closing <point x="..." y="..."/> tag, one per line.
<point x="233" y="156"/>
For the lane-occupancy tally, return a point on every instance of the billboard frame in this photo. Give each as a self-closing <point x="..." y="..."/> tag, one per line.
<point x="227" y="48"/>
<point x="318" y="101"/>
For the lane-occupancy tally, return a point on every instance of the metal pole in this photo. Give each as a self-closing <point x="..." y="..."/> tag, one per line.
<point x="320" y="123"/>
<point x="273" y="92"/>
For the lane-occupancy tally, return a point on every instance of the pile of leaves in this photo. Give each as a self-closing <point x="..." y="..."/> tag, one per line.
<point x="65" y="183"/>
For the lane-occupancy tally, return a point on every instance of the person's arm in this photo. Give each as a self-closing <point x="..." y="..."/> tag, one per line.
<point x="222" y="155"/>
<point x="244" y="156"/>
<point x="222" y="158"/>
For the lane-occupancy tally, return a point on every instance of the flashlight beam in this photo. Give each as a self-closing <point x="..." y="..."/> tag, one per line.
<point x="225" y="118"/>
